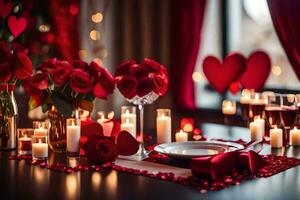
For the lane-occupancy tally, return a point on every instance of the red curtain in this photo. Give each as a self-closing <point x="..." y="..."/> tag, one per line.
<point x="186" y="25"/>
<point x="286" y="19"/>
<point x="65" y="19"/>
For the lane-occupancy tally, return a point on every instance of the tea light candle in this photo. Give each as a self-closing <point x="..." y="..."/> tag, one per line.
<point x="257" y="129"/>
<point x="73" y="137"/>
<point x="40" y="131"/>
<point x="25" y="143"/>
<point x="131" y="117"/>
<point x="163" y="128"/>
<point x="295" y="137"/>
<point x="106" y="124"/>
<point x="40" y="150"/>
<point x="228" y="107"/>
<point x="181" y="136"/>
<point x="276" y="136"/>
<point x="256" y="100"/>
<point x="129" y="127"/>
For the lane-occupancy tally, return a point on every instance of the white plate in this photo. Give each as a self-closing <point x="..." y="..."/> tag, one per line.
<point x="193" y="149"/>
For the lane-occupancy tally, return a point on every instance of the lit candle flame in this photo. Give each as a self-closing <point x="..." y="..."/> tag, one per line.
<point x="127" y="121"/>
<point x="127" y="112"/>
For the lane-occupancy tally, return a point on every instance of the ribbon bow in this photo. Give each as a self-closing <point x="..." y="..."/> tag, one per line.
<point x="222" y="164"/>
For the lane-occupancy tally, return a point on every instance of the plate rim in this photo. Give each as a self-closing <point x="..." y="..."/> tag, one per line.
<point x="159" y="148"/>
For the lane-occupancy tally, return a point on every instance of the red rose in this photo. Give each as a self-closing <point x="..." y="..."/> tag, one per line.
<point x="105" y="85"/>
<point x="96" y="69"/>
<point x="99" y="149"/>
<point x="21" y="65"/>
<point x="139" y="71"/>
<point x="124" y="68"/>
<point x="79" y="64"/>
<point x="153" y="66"/>
<point x="61" y="72"/>
<point x="39" y="81"/>
<point x="161" y="84"/>
<point x="127" y="86"/>
<point x="145" y="86"/>
<point x="4" y="51"/>
<point x="80" y="82"/>
<point x="48" y="65"/>
<point x="5" y="70"/>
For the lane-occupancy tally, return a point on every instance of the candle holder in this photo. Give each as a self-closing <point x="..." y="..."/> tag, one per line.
<point x="228" y="110"/>
<point x="24" y="140"/>
<point x="73" y="137"/>
<point x="39" y="147"/>
<point x="41" y="127"/>
<point x="104" y="118"/>
<point x="163" y="125"/>
<point x="128" y="119"/>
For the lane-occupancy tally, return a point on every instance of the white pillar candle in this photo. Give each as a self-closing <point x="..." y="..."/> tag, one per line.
<point x="107" y="125"/>
<point x="276" y="135"/>
<point x="129" y="127"/>
<point x="163" y="129"/>
<point x="295" y="137"/>
<point x="131" y="117"/>
<point x="73" y="138"/>
<point x="228" y="107"/>
<point x="40" y="150"/>
<point x="181" y="136"/>
<point x="40" y="132"/>
<point x="257" y="129"/>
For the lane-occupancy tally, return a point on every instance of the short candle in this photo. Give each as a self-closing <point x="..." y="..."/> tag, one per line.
<point x="295" y="137"/>
<point x="129" y="127"/>
<point x="228" y="107"/>
<point x="181" y="136"/>
<point x="257" y="129"/>
<point x="39" y="150"/>
<point x="163" y="126"/>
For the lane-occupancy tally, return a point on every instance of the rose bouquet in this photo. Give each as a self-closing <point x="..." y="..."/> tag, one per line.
<point x="67" y="87"/>
<point x="137" y="80"/>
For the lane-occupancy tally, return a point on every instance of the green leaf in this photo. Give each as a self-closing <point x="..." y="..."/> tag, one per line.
<point x="64" y="107"/>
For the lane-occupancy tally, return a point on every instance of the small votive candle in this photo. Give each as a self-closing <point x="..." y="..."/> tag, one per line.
<point x="128" y="116"/>
<point x="276" y="137"/>
<point x="73" y="137"/>
<point x="39" y="147"/>
<point x="24" y="141"/>
<point x="257" y="129"/>
<point x="105" y="120"/>
<point x="163" y="126"/>
<point x="181" y="136"/>
<point x="295" y="137"/>
<point x="41" y="128"/>
<point x="129" y="127"/>
<point x="228" y="107"/>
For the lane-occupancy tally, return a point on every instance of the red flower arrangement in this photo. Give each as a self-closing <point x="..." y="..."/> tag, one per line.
<point x="14" y="63"/>
<point x="139" y="79"/>
<point x="68" y="86"/>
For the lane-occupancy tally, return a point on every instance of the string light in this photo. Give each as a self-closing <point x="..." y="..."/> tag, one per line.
<point x="276" y="70"/>
<point x="197" y="76"/>
<point x="97" y="18"/>
<point x="95" y="35"/>
<point x="44" y="28"/>
<point x="82" y="54"/>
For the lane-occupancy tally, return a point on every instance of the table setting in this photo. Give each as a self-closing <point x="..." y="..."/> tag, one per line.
<point x="95" y="104"/>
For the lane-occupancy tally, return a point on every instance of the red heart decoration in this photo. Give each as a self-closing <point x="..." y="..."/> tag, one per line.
<point x="89" y="128"/>
<point x="221" y="75"/>
<point x="257" y="71"/>
<point x="5" y="8"/>
<point x="16" y="26"/>
<point x="126" y="144"/>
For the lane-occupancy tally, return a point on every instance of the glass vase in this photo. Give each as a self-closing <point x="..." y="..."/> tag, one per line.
<point x="57" y="131"/>
<point x="8" y="117"/>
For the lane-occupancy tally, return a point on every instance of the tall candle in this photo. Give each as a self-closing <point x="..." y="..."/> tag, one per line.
<point x="129" y="127"/>
<point x="295" y="137"/>
<point x="181" y="136"/>
<point x="40" y="131"/>
<point x="131" y="117"/>
<point x="276" y="136"/>
<point x="163" y="129"/>
<point x="73" y="138"/>
<point x="106" y="124"/>
<point x="40" y="150"/>
<point x="257" y="129"/>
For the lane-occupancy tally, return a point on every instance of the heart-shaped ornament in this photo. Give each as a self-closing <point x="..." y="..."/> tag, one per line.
<point x="126" y="144"/>
<point x="5" y="8"/>
<point x="221" y="75"/>
<point x="16" y="25"/>
<point x="257" y="71"/>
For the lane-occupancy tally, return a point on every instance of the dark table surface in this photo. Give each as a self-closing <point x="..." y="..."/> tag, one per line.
<point x="19" y="180"/>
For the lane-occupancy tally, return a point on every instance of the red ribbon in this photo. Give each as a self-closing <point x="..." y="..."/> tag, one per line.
<point x="220" y="165"/>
